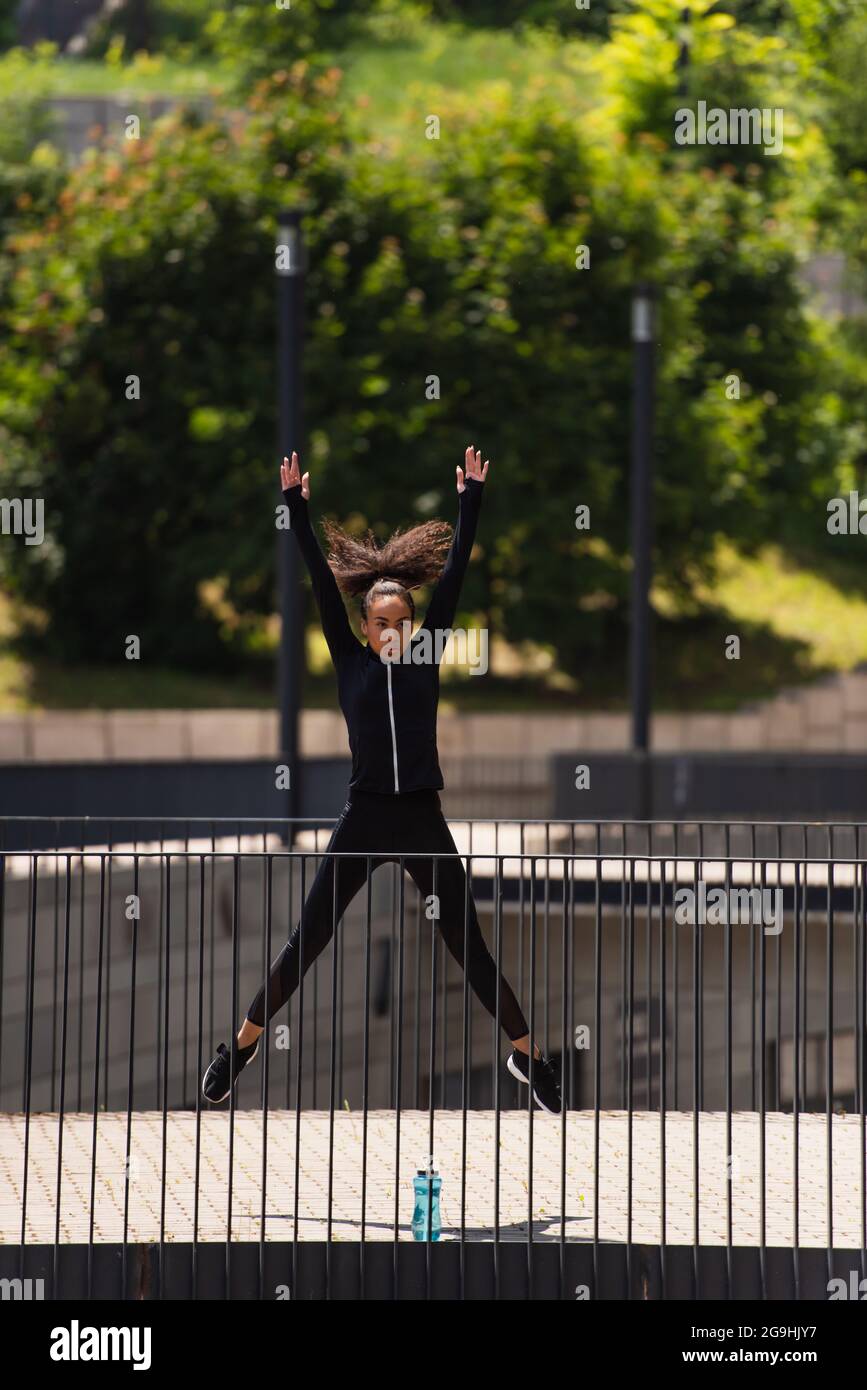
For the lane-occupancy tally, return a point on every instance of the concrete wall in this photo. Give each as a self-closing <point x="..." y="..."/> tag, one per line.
<point x="830" y="716"/>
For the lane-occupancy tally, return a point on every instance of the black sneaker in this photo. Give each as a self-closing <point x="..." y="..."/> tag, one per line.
<point x="215" y="1083"/>
<point x="545" y="1087"/>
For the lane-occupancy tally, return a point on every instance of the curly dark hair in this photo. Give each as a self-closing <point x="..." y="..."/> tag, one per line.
<point x="407" y="560"/>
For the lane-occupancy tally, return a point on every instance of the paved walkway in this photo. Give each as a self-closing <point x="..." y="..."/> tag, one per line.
<point x="346" y="1197"/>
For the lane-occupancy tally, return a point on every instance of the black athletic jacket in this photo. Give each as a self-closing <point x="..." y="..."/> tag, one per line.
<point x="390" y="707"/>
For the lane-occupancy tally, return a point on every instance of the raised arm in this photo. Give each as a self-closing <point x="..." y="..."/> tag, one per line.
<point x="444" y="600"/>
<point x="335" y="622"/>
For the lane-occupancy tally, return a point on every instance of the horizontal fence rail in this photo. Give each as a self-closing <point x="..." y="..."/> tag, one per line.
<point x="699" y="988"/>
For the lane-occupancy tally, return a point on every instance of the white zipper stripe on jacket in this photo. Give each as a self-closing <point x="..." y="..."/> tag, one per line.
<point x="393" y="734"/>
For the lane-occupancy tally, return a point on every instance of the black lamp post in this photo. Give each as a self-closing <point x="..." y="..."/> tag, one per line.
<point x="643" y="333"/>
<point x="291" y="271"/>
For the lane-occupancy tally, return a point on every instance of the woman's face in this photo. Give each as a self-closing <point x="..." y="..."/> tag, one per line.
<point x="386" y="617"/>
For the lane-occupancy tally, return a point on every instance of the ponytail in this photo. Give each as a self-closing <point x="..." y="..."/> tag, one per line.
<point x="407" y="560"/>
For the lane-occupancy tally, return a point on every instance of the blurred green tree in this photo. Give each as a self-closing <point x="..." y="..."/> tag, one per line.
<point x="445" y="306"/>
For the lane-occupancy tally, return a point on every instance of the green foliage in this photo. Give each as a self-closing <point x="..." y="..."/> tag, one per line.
<point x="656" y="64"/>
<point x="152" y="25"/>
<point x="817" y="22"/>
<point x="258" y="37"/>
<point x="847" y="102"/>
<point x="8" y="25"/>
<point x="450" y="259"/>
<point x="456" y="261"/>
<point x="31" y="170"/>
<point x="159" y="265"/>
<point x="261" y="38"/>
<point x="564" y="15"/>
<point x="255" y="35"/>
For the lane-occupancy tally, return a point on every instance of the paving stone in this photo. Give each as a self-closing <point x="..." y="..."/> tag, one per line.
<point x="303" y="1213"/>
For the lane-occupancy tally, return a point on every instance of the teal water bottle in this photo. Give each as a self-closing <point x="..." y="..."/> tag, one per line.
<point x="426" y="1184"/>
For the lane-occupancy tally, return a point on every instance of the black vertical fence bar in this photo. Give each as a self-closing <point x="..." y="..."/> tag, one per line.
<point x="648" y="970"/>
<point x="266" y="1053"/>
<point x="805" y="968"/>
<point x="54" y="963"/>
<point x="763" y="1092"/>
<point x="263" y="857"/>
<point x="778" y="972"/>
<point x="465" y="1045"/>
<point x="444" y="1027"/>
<point x="675" y="972"/>
<point x="663" y="1231"/>
<point x="108" y="894"/>
<point x="332" y="1066"/>
<point x="341" y="1016"/>
<point x="624" y="972"/>
<point x="366" y="1068"/>
<point x="399" y="1072"/>
<point x="699" y="1005"/>
<point x="521" y="933"/>
<point x="3" y="948"/>
<point x="317" y="864"/>
<point x="630" y="1073"/>
<point x="564" y="1034"/>
<point x="186" y="1010"/>
<point x="495" y="1037"/>
<point x="800" y="894"/>
<point x="469" y="1021"/>
<point x="96" y="1044"/>
<point x="861" y="1039"/>
<point x="233" y="1014"/>
<point x="212" y="946"/>
<point x="290" y="1007"/>
<point x="159" y="990"/>
<point x="28" y="1048"/>
<point x="753" y="973"/>
<point x="64" y="1036"/>
<point x="727" y="1008"/>
<point x="546" y="966"/>
<point x="696" y="1076"/>
<point x="299" y="1053"/>
<point x="434" y="950"/>
<point x="200" y="1023"/>
<point x="365" y="1098"/>
<point x="416" y="1041"/>
<point x="829" y="1052"/>
<point x="597" y="1058"/>
<point x="530" y="1106"/>
<point x="856" y="979"/>
<point x="392" y="1042"/>
<point x="165" y="1076"/>
<point x="572" y="1100"/>
<point x="498" y="958"/>
<point x="81" y="961"/>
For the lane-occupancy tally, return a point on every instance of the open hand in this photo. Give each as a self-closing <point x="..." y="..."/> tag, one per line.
<point x="473" y="462"/>
<point x="290" y="476"/>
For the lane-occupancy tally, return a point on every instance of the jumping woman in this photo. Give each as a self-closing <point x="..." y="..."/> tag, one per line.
<point x="390" y="707"/>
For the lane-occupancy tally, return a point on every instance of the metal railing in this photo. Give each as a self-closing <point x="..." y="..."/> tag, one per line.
<point x="700" y="988"/>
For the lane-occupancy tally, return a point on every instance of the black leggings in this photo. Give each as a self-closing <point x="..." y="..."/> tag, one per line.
<point x="385" y="826"/>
